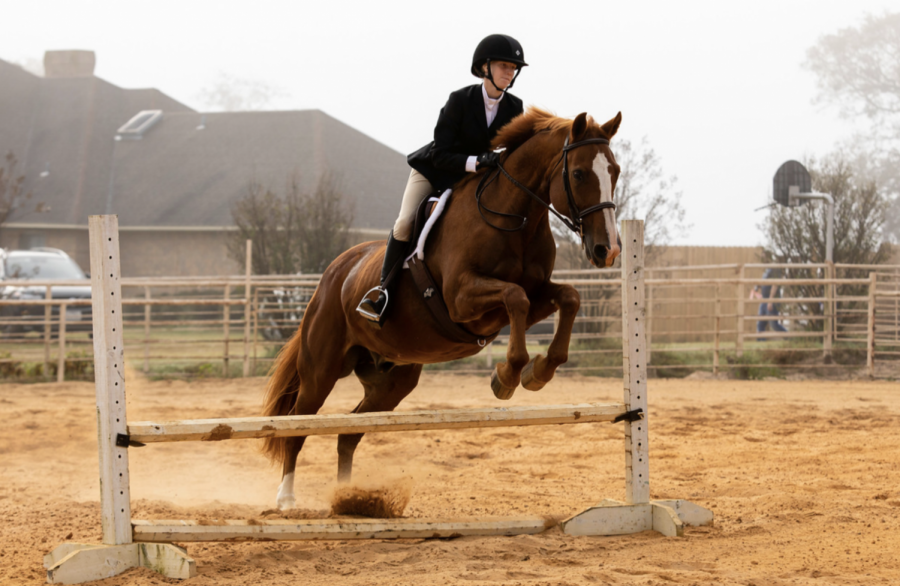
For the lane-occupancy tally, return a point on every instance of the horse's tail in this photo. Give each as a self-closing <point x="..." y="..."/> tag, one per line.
<point x="281" y="393"/>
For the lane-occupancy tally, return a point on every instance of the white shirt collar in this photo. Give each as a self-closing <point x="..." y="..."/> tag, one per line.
<point x="490" y="102"/>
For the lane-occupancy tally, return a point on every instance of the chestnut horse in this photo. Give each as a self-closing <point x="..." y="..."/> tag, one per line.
<point x="492" y="273"/>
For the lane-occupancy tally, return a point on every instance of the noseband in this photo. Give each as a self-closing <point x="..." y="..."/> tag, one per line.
<point x="574" y="222"/>
<point x="578" y="216"/>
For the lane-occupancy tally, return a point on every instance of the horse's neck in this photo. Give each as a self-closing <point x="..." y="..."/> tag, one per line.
<point x="530" y="165"/>
<point x="467" y="227"/>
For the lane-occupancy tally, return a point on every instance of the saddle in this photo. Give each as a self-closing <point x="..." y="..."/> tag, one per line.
<point x="424" y="280"/>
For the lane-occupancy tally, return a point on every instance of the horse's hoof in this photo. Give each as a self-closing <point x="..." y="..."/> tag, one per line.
<point x="529" y="381"/>
<point x="286" y="503"/>
<point x="501" y="391"/>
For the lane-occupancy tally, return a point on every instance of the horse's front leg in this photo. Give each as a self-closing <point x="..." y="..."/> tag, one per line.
<point x="479" y="295"/>
<point x="550" y="297"/>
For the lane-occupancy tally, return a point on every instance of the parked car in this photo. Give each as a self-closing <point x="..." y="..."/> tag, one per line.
<point x="17" y="267"/>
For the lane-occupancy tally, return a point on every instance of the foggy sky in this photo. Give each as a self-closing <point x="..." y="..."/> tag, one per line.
<point x="716" y="87"/>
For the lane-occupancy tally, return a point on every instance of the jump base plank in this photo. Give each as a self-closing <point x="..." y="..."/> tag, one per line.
<point x="318" y="529"/>
<point x="74" y="563"/>
<point x="611" y="517"/>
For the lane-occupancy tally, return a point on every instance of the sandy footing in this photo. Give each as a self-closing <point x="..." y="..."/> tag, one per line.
<point x="803" y="477"/>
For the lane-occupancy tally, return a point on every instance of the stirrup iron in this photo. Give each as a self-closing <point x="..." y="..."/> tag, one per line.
<point x="376" y="317"/>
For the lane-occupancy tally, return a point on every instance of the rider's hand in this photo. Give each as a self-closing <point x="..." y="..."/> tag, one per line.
<point x="489" y="159"/>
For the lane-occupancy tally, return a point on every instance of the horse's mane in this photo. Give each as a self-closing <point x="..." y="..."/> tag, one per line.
<point x="526" y="125"/>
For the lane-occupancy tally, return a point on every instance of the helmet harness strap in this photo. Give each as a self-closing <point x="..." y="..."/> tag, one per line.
<point x="490" y="77"/>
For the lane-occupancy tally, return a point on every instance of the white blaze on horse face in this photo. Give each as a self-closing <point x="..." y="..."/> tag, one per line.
<point x="285" y="499"/>
<point x="601" y="169"/>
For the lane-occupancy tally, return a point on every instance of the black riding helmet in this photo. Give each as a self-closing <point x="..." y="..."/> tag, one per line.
<point x="498" y="48"/>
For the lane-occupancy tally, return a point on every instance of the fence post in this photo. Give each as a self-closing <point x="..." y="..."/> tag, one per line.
<point x="61" y="360"/>
<point x="247" y="273"/>
<point x="147" y="310"/>
<point x="226" y="328"/>
<point x="717" y="329"/>
<point x="48" y="311"/>
<point x="829" y="313"/>
<point x="634" y="363"/>
<point x="741" y="309"/>
<point x="255" y="326"/>
<point x="649" y="324"/>
<point x="870" y="339"/>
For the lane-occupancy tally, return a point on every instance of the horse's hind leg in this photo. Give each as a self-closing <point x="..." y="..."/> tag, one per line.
<point x="384" y="391"/>
<point x="320" y="369"/>
<point x="286" y="499"/>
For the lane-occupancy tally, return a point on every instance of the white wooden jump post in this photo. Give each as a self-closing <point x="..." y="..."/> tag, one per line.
<point x="131" y="543"/>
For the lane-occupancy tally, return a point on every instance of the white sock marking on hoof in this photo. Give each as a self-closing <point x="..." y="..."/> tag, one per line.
<point x="285" y="499"/>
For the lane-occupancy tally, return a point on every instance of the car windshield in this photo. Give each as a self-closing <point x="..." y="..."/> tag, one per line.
<point x="41" y="267"/>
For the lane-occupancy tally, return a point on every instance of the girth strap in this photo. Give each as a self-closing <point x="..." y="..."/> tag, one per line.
<point x="431" y="295"/>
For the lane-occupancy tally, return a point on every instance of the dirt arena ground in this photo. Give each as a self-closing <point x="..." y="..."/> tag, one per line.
<point x="803" y="477"/>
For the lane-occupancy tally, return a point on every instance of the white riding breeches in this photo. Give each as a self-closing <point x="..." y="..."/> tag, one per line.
<point x="417" y="189"/>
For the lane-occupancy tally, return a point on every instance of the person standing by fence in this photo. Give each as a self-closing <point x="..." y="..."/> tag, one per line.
<point x="768" y="308"/>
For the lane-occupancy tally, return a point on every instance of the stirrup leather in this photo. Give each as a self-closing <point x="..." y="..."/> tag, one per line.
<point x="376" y="317"/>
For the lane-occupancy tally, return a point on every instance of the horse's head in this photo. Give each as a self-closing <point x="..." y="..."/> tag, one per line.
<point x="591" y="172"/>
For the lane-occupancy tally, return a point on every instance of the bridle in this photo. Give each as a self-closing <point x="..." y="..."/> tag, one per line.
<point x="575" y="222"/>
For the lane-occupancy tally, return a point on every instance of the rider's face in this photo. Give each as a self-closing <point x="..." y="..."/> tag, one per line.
<point x="503" y="73"/>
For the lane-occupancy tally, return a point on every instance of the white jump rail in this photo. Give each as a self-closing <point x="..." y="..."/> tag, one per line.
<point x="128" y="543"/>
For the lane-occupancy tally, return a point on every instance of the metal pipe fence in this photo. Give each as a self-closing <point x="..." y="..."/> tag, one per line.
<point x="834" y="316"/>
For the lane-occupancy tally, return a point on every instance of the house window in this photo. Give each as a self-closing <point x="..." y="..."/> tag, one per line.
<point x="29" y="240"/>
<point x="139" y="124"/>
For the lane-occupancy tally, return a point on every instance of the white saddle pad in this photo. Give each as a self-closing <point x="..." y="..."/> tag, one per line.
<point x="423" y="237"/>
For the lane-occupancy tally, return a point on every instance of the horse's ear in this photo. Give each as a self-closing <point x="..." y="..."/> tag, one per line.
<point x="610" y="128"/>
<point x="579" y="125"/>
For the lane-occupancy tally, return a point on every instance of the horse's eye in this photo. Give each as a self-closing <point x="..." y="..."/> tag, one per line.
<point x="578" y="175"/>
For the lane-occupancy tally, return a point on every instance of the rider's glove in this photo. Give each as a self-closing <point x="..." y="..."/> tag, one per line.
<point x="489" y="159"/>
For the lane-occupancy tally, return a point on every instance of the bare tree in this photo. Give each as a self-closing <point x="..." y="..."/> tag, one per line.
<point x="296" y="232"/>
<point x="858" y="70"/>
<point x="643" y="192"/>
<point x="14" y="200"/>
<point x="797" y="235"/>
<point x="273" y="224"/>
<point x="326" y="220"/>
<point x="231" y="94"/>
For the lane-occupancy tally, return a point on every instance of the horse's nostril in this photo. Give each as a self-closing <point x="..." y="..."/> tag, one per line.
<point x="600" y="251"/>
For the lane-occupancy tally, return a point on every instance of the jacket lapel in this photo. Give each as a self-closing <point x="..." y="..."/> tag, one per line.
<point x="478" y="104"/>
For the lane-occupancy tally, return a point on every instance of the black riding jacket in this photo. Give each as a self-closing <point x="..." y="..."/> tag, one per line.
<point x="461" y="132"/>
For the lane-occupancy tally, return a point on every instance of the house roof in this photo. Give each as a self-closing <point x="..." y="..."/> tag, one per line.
<point x="189" y="168"/>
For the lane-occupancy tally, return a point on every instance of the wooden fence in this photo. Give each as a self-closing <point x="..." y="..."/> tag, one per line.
<point x="232" y="326"/>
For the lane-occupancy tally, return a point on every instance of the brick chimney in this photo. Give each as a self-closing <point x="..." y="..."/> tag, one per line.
<point x="69" y="63"/>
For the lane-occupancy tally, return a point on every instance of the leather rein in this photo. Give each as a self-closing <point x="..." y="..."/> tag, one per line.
<point x="574" y="222"/>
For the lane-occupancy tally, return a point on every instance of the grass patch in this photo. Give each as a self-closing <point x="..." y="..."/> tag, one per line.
<point x="79" y="365"/>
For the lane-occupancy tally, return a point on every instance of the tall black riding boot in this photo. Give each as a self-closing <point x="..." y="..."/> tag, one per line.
<point x="374" y="311"/>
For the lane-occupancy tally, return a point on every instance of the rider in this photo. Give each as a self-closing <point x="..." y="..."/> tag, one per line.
<point x="462" y="144"/>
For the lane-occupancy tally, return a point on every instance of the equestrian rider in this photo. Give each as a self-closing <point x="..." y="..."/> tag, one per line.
<point x="462" y="144"/>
